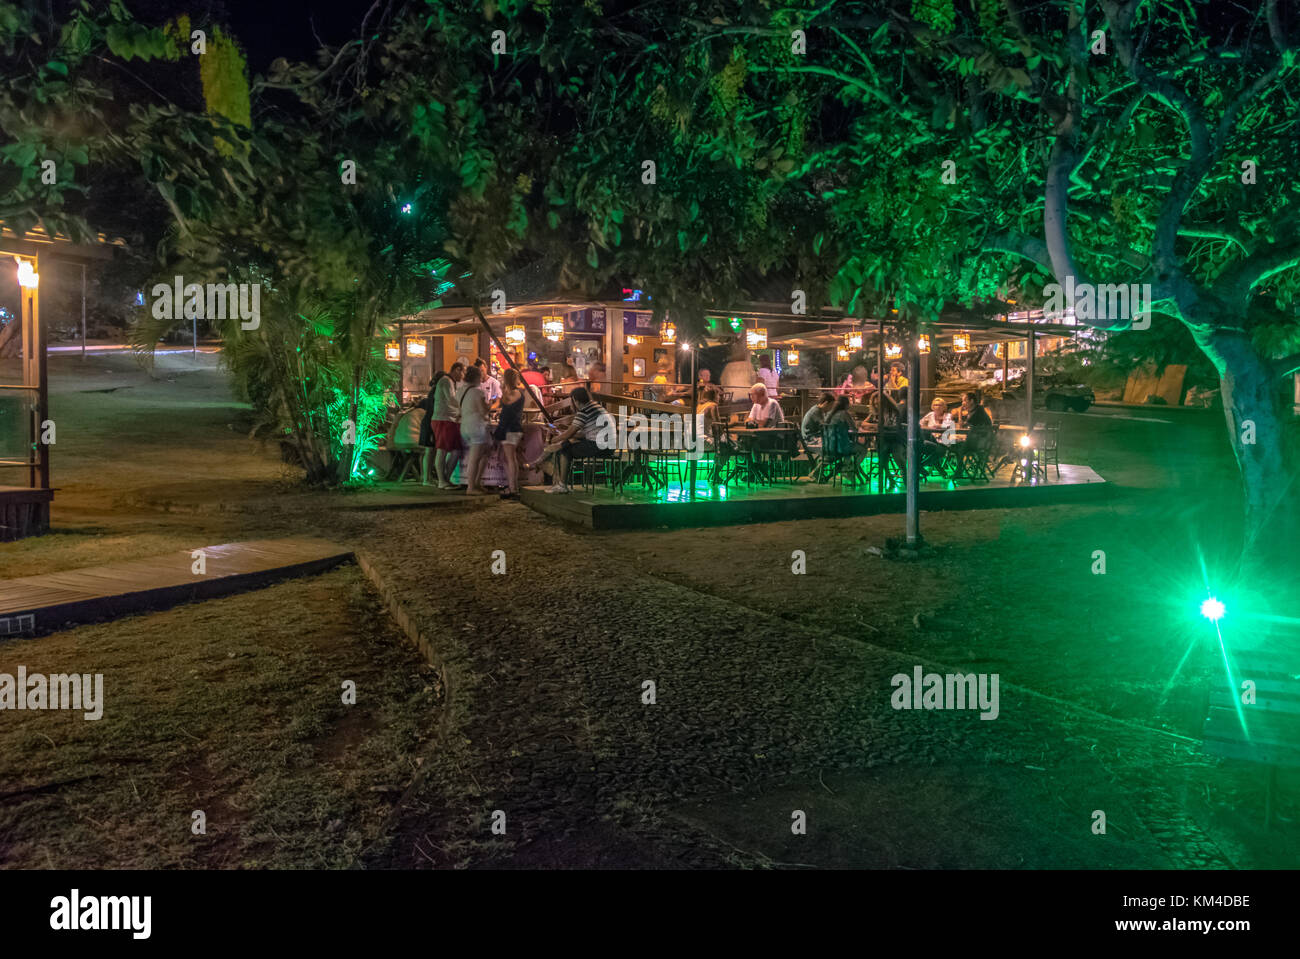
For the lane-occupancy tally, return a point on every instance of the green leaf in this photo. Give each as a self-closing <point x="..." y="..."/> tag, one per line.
<point x="57" y="66"/>
<point x="592" y="259"/>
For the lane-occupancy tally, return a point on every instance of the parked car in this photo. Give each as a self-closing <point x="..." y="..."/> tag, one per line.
<point x="1057" y="393"/>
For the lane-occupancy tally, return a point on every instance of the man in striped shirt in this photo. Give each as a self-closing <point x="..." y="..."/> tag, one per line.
<point x="591" y="432"/>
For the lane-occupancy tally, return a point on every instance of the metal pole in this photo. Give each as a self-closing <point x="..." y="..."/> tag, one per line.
<point x="1029" y="383"/>
<point x="695" y="424"/>
<point x="880" y="402"/>
<point x="83" y="311"/>
<point x="913" y="446"/>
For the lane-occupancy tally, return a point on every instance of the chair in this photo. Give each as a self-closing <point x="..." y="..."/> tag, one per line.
<point x="1049" y="444"/>
<point x="592" y="468"/>
<point x="776" y="450"/>
<point x="403" y="442"/>
<point x="976" y="455"/>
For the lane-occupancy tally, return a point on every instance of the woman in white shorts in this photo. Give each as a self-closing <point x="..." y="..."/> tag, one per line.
<point x="510" y="429"/>
<point x="474" y="429"/>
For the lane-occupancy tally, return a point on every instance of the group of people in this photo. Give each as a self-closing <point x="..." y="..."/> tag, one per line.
<point x="458" y="423"/>
<point x="831" y="424"/>
<point x="860" y="383"/>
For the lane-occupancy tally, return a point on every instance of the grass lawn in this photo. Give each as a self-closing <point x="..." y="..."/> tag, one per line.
<point x="233" y="707"/>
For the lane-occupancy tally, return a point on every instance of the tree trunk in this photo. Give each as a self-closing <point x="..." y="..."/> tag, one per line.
<point x="1252" y="411"/>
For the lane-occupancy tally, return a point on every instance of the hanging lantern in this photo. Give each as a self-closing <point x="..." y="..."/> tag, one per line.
<point x="893" y="351"/>
<point x="393" y="351"/>
<point x="553" y="328"/>
<point x="757" y="338"/>
<point x="516" y="335"/>
<point x="961" y="342"/>
<point x="842" y="353"/>
<point x="667" y="334"/>
<point x="791" y="357"/>
<point x="923" y="344"/>
<point x="853" y="341"/>
<point x="633" y="340"/>
<point x="417" y="347"/>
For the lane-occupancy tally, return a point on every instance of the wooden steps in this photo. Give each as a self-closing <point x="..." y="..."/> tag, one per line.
<point x="38" y="604"/>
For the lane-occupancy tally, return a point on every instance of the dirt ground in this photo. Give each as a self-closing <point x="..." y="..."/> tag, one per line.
<point x="772" y="689"/>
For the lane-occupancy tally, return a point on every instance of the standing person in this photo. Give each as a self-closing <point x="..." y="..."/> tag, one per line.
<point x="738" y="374"/>
<point x="597" y="378"/>
<point x="533" y="376"/>
<point x="474" y="429"/>
<point x="446" y="425"/>
<point x="767" y="374"/>
<point x="489" y="384"/>
<point x="510" y="430"/>
<point x="427" y="439"/>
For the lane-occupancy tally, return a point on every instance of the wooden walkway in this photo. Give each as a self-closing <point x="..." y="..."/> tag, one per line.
<point x="39" y="604"/>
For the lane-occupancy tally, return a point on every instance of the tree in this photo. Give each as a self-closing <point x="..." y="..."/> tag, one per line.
<point x="1152" y="145"/>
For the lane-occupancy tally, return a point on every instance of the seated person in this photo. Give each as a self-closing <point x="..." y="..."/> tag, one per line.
<point x="708" y="416"/>
<point x="838" y="430"/>
<point x="940" y="421"/>
<point x="591" y="432"/>
<point x="765" y="411"/>
<point x="815" y="418"/>
<point x="973" y="415"/>
<point x="891" y="416"/>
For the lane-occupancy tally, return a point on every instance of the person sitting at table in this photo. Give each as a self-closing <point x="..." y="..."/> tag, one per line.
<point x="765" y="411"/>
<point x="891" y="417"/>
<point x="856" y="384"/>
<point x="815" y="418"/>
<point x="597" y="378"/>
<point x="938" y="420"/>
<point x="708" y="415"/>
<point x="973" y="415"/>
<point x="590" y="433"/>
<point x="896" y="382"/>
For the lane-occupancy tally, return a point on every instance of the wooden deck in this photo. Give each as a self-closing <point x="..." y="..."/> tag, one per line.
<point x="641" y="509"/>
<point x="38" y="604"/>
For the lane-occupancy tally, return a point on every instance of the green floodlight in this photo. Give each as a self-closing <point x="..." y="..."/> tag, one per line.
<point x="406" y="208"/>
<point x="1212" y="610"/>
